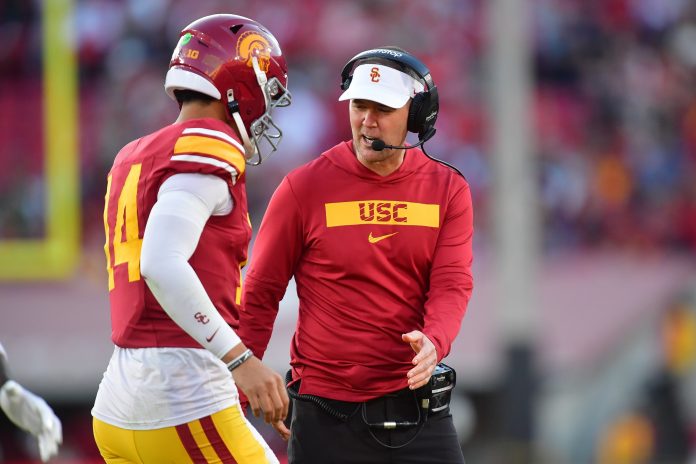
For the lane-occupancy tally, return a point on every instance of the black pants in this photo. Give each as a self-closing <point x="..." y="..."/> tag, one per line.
<point x="318" y="438"/>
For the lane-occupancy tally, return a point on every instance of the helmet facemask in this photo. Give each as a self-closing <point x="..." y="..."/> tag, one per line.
<point x="265" y="134"/>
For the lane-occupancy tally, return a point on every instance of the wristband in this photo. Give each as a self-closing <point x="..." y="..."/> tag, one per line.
<point x="239" y="360"/>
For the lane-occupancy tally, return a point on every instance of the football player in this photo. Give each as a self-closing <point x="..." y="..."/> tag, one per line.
<point x="177" y="232"/>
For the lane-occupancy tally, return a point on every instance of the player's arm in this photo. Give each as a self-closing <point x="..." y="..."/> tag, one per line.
<point x="29" y="412"/>
<point x="451" y="284"/>
<point x="184" y="204"/>
<point x="276" y="251"/>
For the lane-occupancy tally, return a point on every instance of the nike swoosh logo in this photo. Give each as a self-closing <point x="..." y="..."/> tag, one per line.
<point x="372" y="239"/>
<point x="209" y="339"/>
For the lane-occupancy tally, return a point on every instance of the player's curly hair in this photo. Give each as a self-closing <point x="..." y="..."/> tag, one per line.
<point x="184" y="96"/>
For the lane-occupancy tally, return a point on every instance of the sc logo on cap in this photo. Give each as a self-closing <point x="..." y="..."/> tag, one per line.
<point x="374" y="74"/>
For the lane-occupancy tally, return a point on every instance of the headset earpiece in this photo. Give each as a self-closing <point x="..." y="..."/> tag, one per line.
<point x="424" y="106"/>
<point x="345" y="83"/>
<point x="416" y="112"/>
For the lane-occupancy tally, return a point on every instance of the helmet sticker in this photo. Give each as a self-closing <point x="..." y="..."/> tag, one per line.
<point x="252" y="44"/>
<point x="183" y="40"/>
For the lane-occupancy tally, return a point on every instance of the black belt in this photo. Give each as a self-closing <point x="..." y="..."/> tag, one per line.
<point x="341" y="410"/>
<point x="419" y="402"/>
<point x="430" y="399"/>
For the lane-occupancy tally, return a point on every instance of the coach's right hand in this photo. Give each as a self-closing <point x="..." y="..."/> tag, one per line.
<point x="264" y="388"/>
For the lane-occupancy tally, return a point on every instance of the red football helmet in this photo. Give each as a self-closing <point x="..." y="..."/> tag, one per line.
<point x="237" y="61"/>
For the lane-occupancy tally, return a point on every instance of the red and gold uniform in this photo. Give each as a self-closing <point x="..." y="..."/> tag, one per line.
<point x="164" y="397"/>
<point x="177" y="233"/>
<point x="373" y="258"/>
<point x="204" y="146"/>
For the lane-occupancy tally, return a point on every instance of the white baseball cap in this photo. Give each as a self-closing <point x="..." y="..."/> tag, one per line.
<point x="381" y="84"/>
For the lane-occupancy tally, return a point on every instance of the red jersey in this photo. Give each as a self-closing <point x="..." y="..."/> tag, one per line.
<point x="373" y="258"/>
<point x="205" y="146"/>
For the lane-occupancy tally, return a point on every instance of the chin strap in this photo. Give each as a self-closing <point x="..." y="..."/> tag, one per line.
<point x="261" y="79"/>
<point x="274" y="95"/>
<point x="249" y="148"/>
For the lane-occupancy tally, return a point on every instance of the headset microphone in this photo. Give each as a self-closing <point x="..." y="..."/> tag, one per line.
<point x="379" y="145"/>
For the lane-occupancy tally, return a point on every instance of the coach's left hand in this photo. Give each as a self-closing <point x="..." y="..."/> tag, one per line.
<point x="425" y="360"/>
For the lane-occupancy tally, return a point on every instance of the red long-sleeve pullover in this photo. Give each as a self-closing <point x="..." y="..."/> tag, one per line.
<point x="373" y="258"/>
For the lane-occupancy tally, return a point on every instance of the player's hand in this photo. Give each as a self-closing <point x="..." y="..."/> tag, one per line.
<point x="264" y="389"/>
<point x="243" y="401"/>
<point x="425" y="360"/>
<point x="282" y="429"/>
<point x="32" y="414"/>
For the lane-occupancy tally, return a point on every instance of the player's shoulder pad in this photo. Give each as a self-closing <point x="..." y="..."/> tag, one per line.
<point x="209" y="146"/>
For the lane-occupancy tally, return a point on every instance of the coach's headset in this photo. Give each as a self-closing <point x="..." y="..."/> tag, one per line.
<point x="425" y="105"/>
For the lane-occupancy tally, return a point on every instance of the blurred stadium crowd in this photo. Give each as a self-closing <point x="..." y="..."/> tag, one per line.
<point x="614" y="111"/>
<point x="614" y="103"/>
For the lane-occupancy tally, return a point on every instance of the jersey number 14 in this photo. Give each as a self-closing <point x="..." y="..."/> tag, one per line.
<point x="128" y="250"/>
